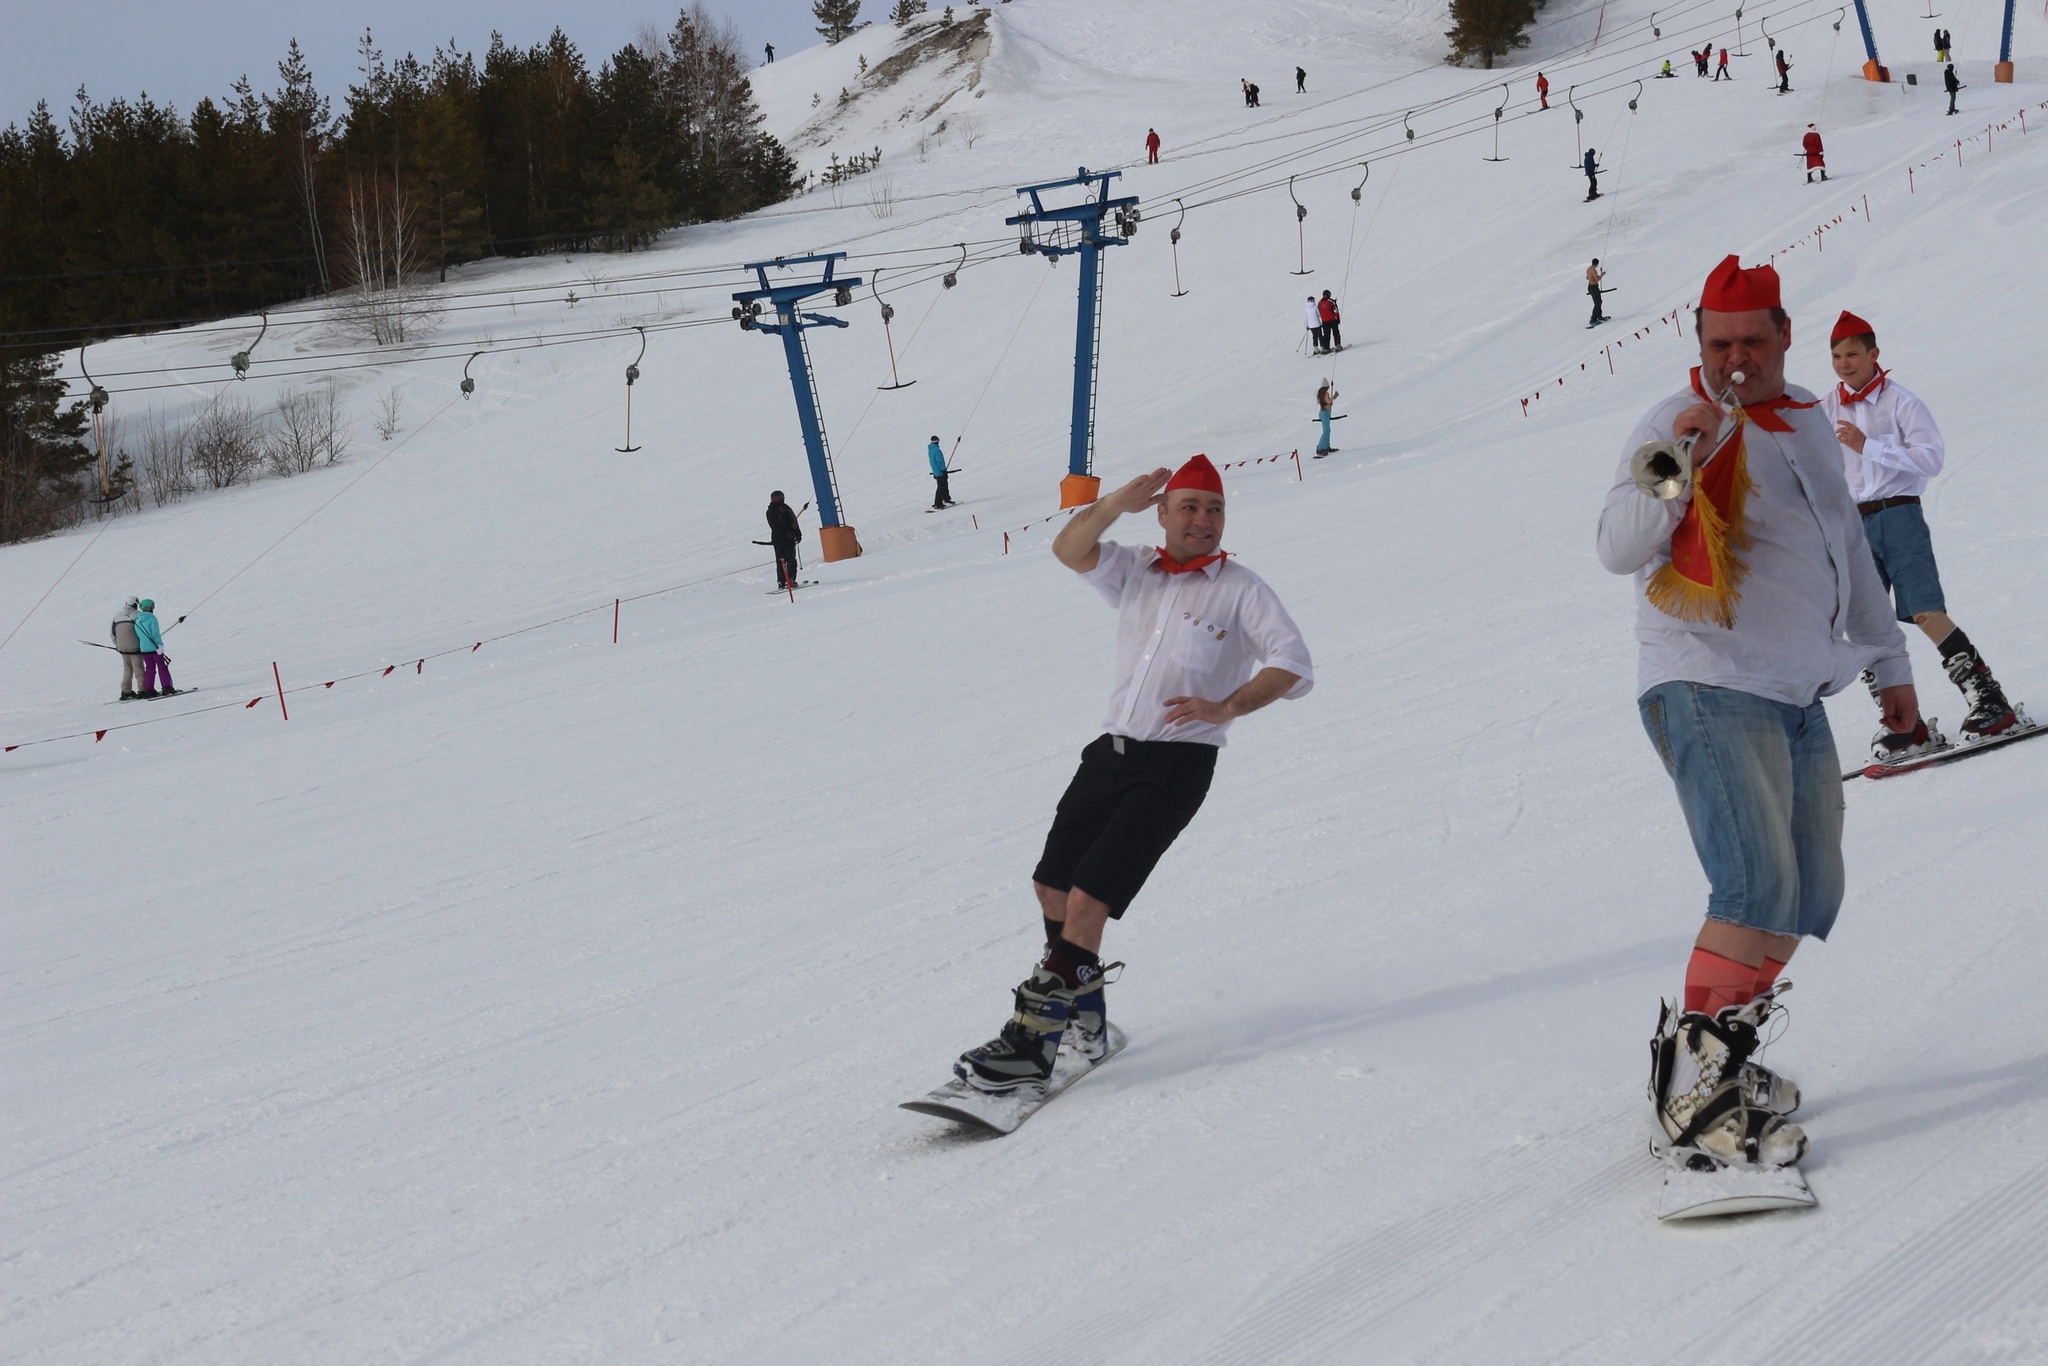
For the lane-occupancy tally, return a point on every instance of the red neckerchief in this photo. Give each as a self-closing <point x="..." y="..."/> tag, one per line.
<point x="1866" y="393"/>
<point x="1173" y="566"/>
<point x="1765" y="414"/>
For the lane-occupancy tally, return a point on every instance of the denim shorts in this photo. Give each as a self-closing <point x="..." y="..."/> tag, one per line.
<point x="1905" y="559"/>
<point x="1761" y="789"/>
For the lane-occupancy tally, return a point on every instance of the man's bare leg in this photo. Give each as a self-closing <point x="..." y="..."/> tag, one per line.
<point x="1082" y="918"/>
<point x="1936" y="624"/>
<point x="1741" y="944"/>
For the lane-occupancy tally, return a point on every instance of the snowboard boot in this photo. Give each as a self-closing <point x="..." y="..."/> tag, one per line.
<point x="1023" y="1054"/>
<point x="1990" y="714"/>
<point x="1707" y="1093"/>
<point x="1088" y="1022"/>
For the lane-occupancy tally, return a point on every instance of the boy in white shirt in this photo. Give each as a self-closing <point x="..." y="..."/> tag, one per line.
<point x="1890" y="450"/>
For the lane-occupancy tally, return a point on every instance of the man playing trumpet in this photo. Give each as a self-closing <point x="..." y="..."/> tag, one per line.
<point x="1756" y="596"/>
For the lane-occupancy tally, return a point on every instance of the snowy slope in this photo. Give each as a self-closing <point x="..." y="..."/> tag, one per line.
<point x="551" y="1002"/>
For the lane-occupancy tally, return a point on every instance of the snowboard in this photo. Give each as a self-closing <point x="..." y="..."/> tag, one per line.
<point x="1700" y="1186"/>
<point x="1002" y="1113"/>
<point x="1332" y="451"/>
<point x="801" y="583"/>
<point x="1948" y="754"/>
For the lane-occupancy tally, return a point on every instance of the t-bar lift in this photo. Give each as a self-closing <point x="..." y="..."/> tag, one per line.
<point x="1077" y="230"/>
<point x="836" y="540"/>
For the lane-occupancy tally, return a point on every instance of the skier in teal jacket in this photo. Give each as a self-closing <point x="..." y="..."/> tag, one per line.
<point x="155" y="664"/>
<point x="944" y="497"/>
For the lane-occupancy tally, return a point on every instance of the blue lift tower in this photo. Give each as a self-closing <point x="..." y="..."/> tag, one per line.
<point x="1076" y="230"/>
<point x="836" y="540"/>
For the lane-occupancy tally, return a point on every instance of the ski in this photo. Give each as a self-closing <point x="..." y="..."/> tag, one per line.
<point x="1002" y="1112"/>
<point x="1698" y="1185"/>
<point x="2023" y="730"/>
<point x="1332" y="451"/>
<point x="175" y="692"/>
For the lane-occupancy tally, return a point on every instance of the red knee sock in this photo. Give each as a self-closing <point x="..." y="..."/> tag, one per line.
<point x="1713" y="982"/>
<point x="1766" y="974"/>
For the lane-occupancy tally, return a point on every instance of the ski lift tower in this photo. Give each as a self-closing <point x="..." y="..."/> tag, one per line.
<point x="1077" y="230"/>
<point x="836" y="540"/>
<point x="1873" y="70"/>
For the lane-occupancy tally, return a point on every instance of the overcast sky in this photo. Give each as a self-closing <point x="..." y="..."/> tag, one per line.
<point x="179" y="50"/>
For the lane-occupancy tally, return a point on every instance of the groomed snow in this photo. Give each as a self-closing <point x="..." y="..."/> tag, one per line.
<point x="552" y="1002"/>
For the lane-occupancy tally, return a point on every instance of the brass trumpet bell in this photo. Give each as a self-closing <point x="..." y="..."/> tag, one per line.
<point x="1662" y="469"/>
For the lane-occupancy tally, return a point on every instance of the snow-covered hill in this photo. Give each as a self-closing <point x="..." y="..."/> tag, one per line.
<point x="550" y="1001"/>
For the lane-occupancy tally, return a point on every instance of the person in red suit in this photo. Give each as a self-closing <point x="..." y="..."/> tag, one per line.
<point x="1816" y="160"/>
<point x="1152" y="146"/>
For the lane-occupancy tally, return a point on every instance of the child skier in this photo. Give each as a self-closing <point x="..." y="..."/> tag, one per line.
<point x="1890" y="450"/>
<point x="1200" y="641"/>
<point x="156" y="665"/>
<point x="1747" y="614"/>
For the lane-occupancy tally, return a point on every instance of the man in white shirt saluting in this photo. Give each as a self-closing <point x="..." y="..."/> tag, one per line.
<point x="1200" y="641"/>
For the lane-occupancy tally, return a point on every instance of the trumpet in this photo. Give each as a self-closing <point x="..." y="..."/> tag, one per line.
<point x="1664" y="469"/>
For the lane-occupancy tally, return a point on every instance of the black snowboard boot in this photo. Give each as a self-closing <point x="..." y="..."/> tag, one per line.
<point x="1709" y="1095"/>
<point x="1024" y="1052"/>
<point x="1990" y="714"/>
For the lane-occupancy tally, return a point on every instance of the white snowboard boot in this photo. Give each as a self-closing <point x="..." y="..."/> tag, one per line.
<point x="1709" y="1095"/>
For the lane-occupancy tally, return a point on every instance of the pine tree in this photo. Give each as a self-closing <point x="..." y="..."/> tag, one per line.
<point x="1489" y="28"/>
<point x="836" y="18"/>
<point x="905" y="12"/>
<point x="42" y="459"/>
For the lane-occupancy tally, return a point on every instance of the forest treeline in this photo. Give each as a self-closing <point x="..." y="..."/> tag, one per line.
<point x="131" y="215"/>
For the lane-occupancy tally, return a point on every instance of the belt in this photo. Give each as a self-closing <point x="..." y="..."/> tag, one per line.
<point x="1880" y="504"/>
<point x="1155" y="749"/>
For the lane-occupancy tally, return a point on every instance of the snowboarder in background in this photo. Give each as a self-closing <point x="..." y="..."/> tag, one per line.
<point x="1746" y="617"/>
<point x="1816" y="159"/>
<point x="1951" y="84"/>
<point x="1594" y="275"/>
<point x="1784" y="73"/>
<point x="1312" y="318"/>
<point x="156" y="665"/>
<point x="1941" y="47"/>
<point x="1542" y="91"/>
<point x="122" y="632"/>
<point x="1701" y="58"/>
<point x="936" y="456"/>
<point x="1721" y="71"/>
<point x="1300" y="80"/>
<point x="1152" y="146"/>
<point x="1326" y="399"/>
<point x="770" y="48"/>
<point x="783" y="535"/>
<point x="1333" y="323"/>
<point x="1253" y="92"/>
<point x="1247" y="88"/>
<point x="1890" y="450"/>
<point x="1591" y="165"/>
<point x="1228" y="649"/>
<point x="1667" y="74"/>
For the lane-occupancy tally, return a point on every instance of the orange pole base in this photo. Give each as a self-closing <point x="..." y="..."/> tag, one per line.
<point x="1873" y="72"/>
<point x="838" y="543"/>
<point x="2002" y="73"/>
<point x="1079" y="490"/>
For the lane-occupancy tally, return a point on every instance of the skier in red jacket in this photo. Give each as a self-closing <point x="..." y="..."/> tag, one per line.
<point x="1543" y="90"/>
<point x="1152" y="146"/>
<point x="1816" y="160"/>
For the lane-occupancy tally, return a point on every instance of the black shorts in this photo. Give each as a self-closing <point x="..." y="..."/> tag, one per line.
<point x="1121" y="813"/>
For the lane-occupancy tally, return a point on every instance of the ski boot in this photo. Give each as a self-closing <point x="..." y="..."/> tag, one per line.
<point x="1088" y="1021"/>
<point x="1708" y="1095"/>
<point x="1990" y="714"/>
<point x="1890" y="746"/>
<point x="1023" y="1054"/>
<point x="129" y="694"/>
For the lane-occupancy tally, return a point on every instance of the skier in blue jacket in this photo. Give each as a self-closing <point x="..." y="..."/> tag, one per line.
<point x="155" y="663"/>
<point x="944" y="497"/>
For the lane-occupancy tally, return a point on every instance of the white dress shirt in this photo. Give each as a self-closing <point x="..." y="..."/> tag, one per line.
<point x="1202" y="634"/>
<point x="1813" y="612"/>
<point x="1902" y="447"/>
